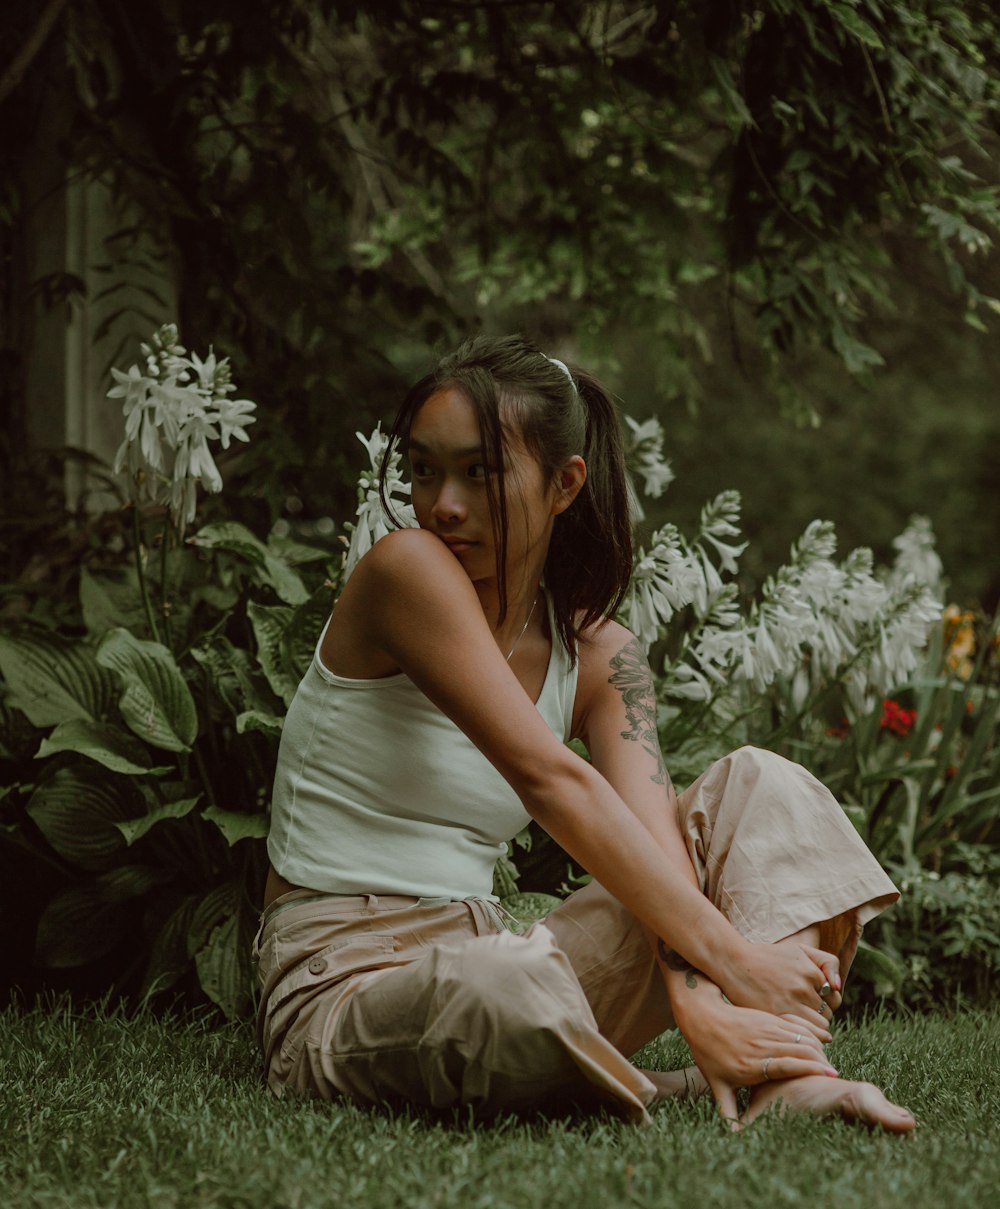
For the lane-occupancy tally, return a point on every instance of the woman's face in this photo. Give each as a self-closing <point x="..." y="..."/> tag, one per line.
<point x="448" y="470"/>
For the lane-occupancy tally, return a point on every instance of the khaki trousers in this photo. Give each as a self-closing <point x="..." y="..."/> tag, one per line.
<point x="433" y="1002"/>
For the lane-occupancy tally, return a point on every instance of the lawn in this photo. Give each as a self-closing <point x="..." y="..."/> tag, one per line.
<point x="100" y="1110"/>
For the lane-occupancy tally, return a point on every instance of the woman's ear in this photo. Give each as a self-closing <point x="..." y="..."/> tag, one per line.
<point x="569" y="481"/>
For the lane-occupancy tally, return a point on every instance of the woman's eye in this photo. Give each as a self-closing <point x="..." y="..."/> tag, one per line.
<point x="478" y="471"/>
<point x="420" y="470"/>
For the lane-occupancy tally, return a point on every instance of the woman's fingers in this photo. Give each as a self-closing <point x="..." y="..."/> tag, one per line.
<point x="781" y="1066"/>
<point x="725" y="1098"/>
<point x="829" y="967"/>
<point x="814" y="1027"/>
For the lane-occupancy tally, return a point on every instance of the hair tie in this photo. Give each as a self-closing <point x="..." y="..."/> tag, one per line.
<point x="563" y="366"/>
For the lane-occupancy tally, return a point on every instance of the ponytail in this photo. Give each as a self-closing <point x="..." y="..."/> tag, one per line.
<point x="589" y="563"/>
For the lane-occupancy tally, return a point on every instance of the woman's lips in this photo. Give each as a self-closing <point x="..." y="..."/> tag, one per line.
<point x="457" y="545"/>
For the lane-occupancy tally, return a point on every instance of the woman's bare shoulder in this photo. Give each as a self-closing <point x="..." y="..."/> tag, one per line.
<point x="404" y="560"/>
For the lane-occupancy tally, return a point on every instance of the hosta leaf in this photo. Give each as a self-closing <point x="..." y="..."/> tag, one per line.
<point x="77" y="927"/>
<point x="235" y="825"/>
<point x="298" y="642"/>
<point x="295" y="553"/>
<point x="168" y="958"/>
<point x="253" y="719"/>
<point x="110" y="600"/>
<point x="134" y="829"/>
<point x="53" y="680"/>
<point x="235" y="676"/>
<point x="224" y="968"/>
<point x="156" y="703"/>
<point x="214" y="907"/>
<point x="269" y="625"/>
<point x="76" y="810"/>
<point x="101" y="741"/>
<point x="267" y="566"/>
<point x="86" y="922"/>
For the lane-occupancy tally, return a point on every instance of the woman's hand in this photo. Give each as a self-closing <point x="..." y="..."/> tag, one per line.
<point x="784" y="978"/>
<point x="737" y="1047"/>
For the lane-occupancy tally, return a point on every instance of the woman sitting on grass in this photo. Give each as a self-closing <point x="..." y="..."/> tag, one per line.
<point x="432" y="725"/>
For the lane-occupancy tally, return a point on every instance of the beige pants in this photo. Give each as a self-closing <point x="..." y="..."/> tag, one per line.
<point x="396" y="999"/>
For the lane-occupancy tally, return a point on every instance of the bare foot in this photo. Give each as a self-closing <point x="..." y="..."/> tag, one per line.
<point x="681" y="1083"/>
<point x="824" y="1097"/>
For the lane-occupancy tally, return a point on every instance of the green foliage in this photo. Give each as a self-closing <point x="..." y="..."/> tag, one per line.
<point x="146" y="795"/>
<point x="579" y="168"/>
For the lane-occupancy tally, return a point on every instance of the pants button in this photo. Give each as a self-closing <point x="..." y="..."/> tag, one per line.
<point x="317" y="965"/>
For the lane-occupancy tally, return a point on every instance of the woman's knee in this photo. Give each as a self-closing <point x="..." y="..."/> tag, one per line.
<point x="509" y="983"/>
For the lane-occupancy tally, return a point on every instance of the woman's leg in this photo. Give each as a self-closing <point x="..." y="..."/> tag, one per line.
<point x="438" y="1009"/>
<point x="773" y="850"/>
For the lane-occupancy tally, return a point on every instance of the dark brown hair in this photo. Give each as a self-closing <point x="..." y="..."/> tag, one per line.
<point x="507" y="379"/>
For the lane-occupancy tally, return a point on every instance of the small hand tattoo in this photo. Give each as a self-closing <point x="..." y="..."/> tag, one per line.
<point x="673" y="961"/>
<point x="633" y="679"/>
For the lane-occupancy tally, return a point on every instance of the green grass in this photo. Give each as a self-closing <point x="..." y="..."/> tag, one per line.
<point x="100" y="1110"/>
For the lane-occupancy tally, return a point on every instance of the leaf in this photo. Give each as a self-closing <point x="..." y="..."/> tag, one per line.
<point x="101" y="741"/>
<point x="77" y="927"/>
<point x="856" y="356"/>
<point x="134" y="829"/>
<point x="528" y="908"/>
<point x="253" y="719"/>
<point x="76" y="810"/>
<point x="298" y="642"/>
<point x="110" y="600"/>
<point x="213" y="908"/>
<point x="235" y="825"/>
<point x="849" y="20"/>
<point x="53" y="680"/>
<point x="168" y="958"/>
<point x="224" y="968"/>
<point x="156" y="703"/>
<point x="724" y="78"/>
<point x="88" y="921"/>
<point x="267" y="566"/>
<point x="885" y="972"/>
<point x="235" y="675"/>
<point x="269" y="625"/>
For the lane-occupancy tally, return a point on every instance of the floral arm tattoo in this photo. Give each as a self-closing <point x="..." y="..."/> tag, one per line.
<point x="673" y="961"/>
<point x="633" y="679"/>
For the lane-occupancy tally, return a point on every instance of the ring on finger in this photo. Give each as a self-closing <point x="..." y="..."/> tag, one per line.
<point x="824" y="991"/>
<point x="798" y="1038"/>
<point x="764" y="1065"/>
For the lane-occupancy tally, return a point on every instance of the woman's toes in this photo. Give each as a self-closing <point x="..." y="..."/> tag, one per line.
<point x="865" y="1102"/>
<point x="830" y="1097"/>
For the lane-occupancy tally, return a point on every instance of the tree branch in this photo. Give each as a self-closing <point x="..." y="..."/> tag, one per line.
<point x="13" y="75"/>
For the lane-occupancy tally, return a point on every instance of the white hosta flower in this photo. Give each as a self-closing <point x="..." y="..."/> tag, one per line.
<point x="172" y="412"/>
<point x="720" y="519"/>
<point x="664" y="581"/>
<point x="372" y="522"/>
<point x="233" y="417"/>
<point x="644" y="457"/>
<point x="916" y="560"/>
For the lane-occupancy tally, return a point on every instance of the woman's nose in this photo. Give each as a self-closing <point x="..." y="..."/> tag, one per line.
<point x="449" y="505"/>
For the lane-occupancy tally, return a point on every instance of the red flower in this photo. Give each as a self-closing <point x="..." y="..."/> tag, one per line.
<point x="900" y="721"/>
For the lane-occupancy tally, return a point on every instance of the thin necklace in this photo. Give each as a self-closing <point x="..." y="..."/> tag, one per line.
<point x="531" y="613"/>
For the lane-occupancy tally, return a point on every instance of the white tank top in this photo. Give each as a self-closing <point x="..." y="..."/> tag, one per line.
<point x="378" y="792"/>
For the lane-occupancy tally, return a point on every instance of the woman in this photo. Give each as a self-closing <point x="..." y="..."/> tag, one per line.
<point x="432" y="725"/>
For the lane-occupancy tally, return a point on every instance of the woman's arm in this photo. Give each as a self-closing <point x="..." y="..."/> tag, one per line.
<point x="616" y="719"/>
<point x="410" y="599"/>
